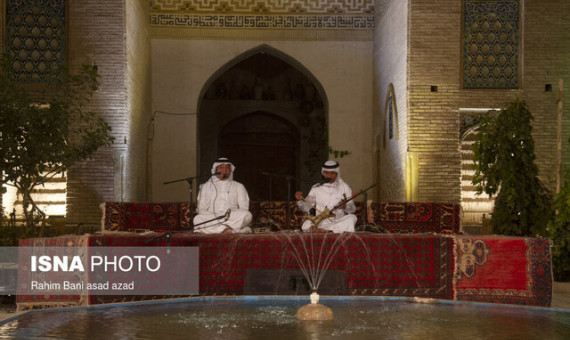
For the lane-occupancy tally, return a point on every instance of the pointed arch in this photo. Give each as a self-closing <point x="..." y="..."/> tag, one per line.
<point x="265" y="49"/>
<point x="391" y="126"/>
<point x="260" y="85"/>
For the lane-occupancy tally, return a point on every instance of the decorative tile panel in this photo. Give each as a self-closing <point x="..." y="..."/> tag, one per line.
<point x="267" y="7"/>
<point x="262" y="21"/>
<point x="257" y="14"/>
<point x="35" y="38"/>
<point x="490" y="43"/>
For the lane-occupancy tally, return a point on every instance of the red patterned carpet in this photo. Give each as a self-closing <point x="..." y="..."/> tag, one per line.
<point x="503" y="270"/>
<point x="453" y="267"/>
<point x="393" y="217"/>
<point x="39" y="301"/>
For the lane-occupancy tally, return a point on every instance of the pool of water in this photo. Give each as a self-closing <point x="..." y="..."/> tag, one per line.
<point x="275" y="318"/>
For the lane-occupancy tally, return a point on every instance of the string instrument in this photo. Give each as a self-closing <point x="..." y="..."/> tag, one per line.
<point x="315" y="220"/>
<point x="326" y="213"/>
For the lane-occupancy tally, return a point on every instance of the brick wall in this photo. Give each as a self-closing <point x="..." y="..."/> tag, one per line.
<point x="435" y="59"/>
<point x="96" y="35"/>
<point x="546" y="60"/>
<point x="390" y="55"/>
<point x="115" y="36"/>
<point x="88" y="184"/>
<point x="138" y="86"/>
<point x="425" y="33"/>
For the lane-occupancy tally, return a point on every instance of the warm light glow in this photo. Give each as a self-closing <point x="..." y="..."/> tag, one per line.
<point x="51" y="198"/>
<point x="8" y="199"/>
<point x="412" y="178"/>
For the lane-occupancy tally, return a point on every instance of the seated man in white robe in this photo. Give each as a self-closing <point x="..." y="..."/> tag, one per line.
<point x="327" y="195"/>
<point x="225" y="198"/>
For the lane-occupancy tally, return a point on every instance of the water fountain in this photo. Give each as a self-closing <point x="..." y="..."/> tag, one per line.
<point x="385" y="276"/>
<point x="314" y="263"/>
<point x="358" y="318"/>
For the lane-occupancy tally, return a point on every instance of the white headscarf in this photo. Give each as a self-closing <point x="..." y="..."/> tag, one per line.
<point x="220" y="161"/>
<point x="331" y="166"/>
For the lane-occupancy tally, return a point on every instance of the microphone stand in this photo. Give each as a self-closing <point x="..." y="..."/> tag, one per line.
<point x="270" y="213"/>
<point x="288" y="211"/>
<point x="287" y="178"/>
<point x="167" y="235"/>
<point x="190" y="181"/>
<point x="226" y="216"/>
<point x="270" y="187"/>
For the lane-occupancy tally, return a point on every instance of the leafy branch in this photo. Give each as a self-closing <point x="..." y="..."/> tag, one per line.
<point x="504" y="164"/>
<point x="43" y="135"/>
<point x="338" y="153"/>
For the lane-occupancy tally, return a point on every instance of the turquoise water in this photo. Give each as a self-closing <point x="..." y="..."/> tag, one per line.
<point x="275" y="318"/>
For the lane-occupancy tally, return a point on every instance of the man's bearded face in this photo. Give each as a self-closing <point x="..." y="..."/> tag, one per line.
<point x="225" y="170"/>
<point x="331" y="175"/>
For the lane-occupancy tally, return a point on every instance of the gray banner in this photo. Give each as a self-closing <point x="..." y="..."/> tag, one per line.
<point x="99" y="270"/>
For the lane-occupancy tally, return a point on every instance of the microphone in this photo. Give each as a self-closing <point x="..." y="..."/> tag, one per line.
<point x="216" y="173"/>
<point x="227" y="215"/>
<point x="324" y="181"/>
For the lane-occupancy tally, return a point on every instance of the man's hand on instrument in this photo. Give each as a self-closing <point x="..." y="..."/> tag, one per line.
<point x="299" y="195"/>
<point x="318" y="230"/>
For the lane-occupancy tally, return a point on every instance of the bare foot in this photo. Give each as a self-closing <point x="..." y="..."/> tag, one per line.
<point x="228" y="230"/>
<point x="318" y="230"/>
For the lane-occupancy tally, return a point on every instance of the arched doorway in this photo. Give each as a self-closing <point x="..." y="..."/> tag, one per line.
<point x="266" y="147"/>
<point x="268" y="114"/>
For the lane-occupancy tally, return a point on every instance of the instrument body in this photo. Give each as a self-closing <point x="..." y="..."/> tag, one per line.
<point x="326" y="213"/>
<point x="318" y="218"/>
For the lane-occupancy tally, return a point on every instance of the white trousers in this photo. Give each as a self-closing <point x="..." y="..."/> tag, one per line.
<point x="238" y="221"/>
<point x="343" y="224"/>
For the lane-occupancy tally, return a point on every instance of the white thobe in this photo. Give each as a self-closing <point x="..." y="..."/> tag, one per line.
<point x="215" y="197"/>
<point x="328" y="196"/>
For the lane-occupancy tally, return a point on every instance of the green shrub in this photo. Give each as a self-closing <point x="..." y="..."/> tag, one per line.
<point x="504" y="163"/>
<point x="559" y="232"/>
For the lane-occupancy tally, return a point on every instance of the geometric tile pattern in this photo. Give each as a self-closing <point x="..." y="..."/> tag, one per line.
<point x="265" y="7"/>
<point x="253" y="21"/>
<point x="35" y="38"/>
<point x="258" y="14"/>
<point x="490" y="44"/>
